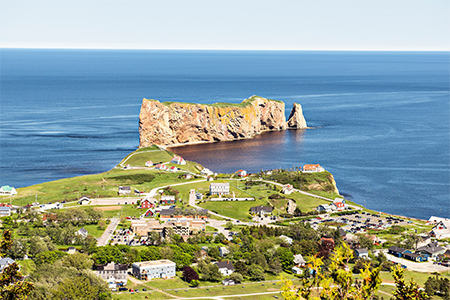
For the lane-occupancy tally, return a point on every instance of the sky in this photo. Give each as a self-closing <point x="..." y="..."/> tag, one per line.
<point x="227" y="24"/>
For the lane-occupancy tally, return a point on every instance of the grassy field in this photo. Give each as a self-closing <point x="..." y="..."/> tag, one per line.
<point x="93" y="230"/>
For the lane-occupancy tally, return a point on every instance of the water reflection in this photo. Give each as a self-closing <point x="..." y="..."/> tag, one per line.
<point x="266" y="151"/>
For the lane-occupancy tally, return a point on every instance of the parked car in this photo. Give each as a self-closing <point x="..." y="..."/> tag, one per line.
<point x="121" y="289"/>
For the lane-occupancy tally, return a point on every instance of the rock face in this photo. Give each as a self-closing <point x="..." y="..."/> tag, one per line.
<point x="296" y="118"/>
<point x="174" y="123"/>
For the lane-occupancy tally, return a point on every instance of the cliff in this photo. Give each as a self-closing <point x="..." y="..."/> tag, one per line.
<point x="174" y="123"/>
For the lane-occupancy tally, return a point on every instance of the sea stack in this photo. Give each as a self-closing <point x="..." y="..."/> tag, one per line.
<point x="177" y="123"/>
<point x="296" y="119"/>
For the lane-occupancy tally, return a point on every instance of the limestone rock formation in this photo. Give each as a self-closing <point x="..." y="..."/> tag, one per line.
<point x="175" y="123"/>
<point x="296" y="119"/>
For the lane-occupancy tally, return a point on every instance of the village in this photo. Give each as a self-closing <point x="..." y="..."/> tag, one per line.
<point x="202" y="230"/>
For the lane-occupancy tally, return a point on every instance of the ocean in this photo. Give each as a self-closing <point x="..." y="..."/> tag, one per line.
<point x="379" y="121"/>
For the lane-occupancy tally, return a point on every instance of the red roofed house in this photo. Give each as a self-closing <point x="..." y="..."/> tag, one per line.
<point x="145" y="204"/>
<point x="149" y="163"/>
<point x="338" y="204"/>
<point x="312" y="168"/>
<point x="241" y="173"/>
<point x="178" y="160"/>
<point x="173" y="169"/>
<point x="161" y="167"/>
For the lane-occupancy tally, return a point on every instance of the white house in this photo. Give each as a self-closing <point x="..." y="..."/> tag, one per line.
<point x="113" y="273"/>
<point x="83" y="232"/>
<point x="311" y="168"/>
<point x="5" y="211"/>
<point x="225" y="267"/>
<point x="84" y="200"/>
<point x="296" y="270"/>
<point x="361" y="253"/>
<point x="325" y="208"/>
<point x="219" y="188"/>
<point x="124" y="190"/>
<point x="149" y="163"/>
<point x="441" y="230"/>
<point x="338" y="204"/>
<point x="241" y="173"/>
<point x="4" y="262"/>
<point x="206" y="172"/>
<point x="7" y="190"/>
<point x="161" y="167"/>
<point x="178" y="160"/>
<point x="286" y="239"/>
<point x="146" y="270"/>
<point x="299" y="260"/>
<point x="223" y="251"/>
<point x="287" y="189"/>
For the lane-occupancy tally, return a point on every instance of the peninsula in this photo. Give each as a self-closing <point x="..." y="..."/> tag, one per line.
<point x="176" y="123"/>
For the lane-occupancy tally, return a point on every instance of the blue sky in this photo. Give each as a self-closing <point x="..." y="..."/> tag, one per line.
<point x="216" y="24"/>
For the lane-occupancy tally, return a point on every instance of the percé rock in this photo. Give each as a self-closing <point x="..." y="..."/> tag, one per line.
<point x="296" y="118"/>
<point x="175" y="123"/>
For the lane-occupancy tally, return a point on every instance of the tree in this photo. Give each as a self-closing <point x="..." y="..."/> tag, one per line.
<point x="336" y="283"/>
<point x="214" y="252"/>
<point x="12" y="285"/>
<point x="76" y="288"/>
<point x="275" y="266"/>
<point x="241" y="268"/>
<point x="189" y="274"/>
<point x="236" y="277"/>
<point x="48" y="257"/>
<point x="365" y="242"/>
<point x="195" y="283"/>
<point x="256" y="272"/>
<point x="405" y="291"/>
<point x="360" y="265"/>
<point x="286" y="258"/>
<point x="229" y="225"/>
<point x="78" y="261"/>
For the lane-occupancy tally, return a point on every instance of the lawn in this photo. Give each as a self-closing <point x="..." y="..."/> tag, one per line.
<point x="93" y="230"/>
<point x="139" y="157"/>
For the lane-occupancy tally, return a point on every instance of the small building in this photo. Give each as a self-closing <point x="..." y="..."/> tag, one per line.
<point x="396" y="251"/>
<point x="219" y="188"/>
<point x="223" y="251"/>
<point x="287" y="189"/>
<point x="178" y="160"/>
<point x="4" y="262"/>
<point x="150" y="213"/>
<point x="161" y="167"/>
<point x="291" y="206"/>
<point x="432" y="249"/>
<point x="286" y="239"/>
<point x="149" y="163"/>
<point x="311" y="168"/>
<point x="71" y="250"/>
<point x="124" y="190"/>
<point x="169" y="199"/>
<point x="113" y="272"/>
<point x="228" y="281"/>
<point x="324" y="208"/>
<point x="338" y="204"/>
<point x="146" y="204"/>
<point x="173" y="169"/>
<point x="241" y="173"/>
<point x="414" y="256"/>
<point x="5" y="211"/>
<point x="261" y="210"/>
<point x="361" y="253"/>
<point x="206" y="172"/>
<point x="299" y="260"/>
<point x="441" y="230"/>
<point x="83" y="232"/>
<point x="8" y="190"/>
<point x="167" y="213"/>
<point x="225" y="267"/>
<point x="146" y="270"/>
<point x="85" y="200"/>
<point x="297" y="271"/>
<point x="187" y="176"/>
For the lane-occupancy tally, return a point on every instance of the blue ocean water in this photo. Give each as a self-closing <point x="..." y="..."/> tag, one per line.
<point x="381" y="120"/>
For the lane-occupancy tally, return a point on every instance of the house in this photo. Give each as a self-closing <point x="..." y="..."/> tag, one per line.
<point x="161" y="167"/>
<point x="83" y="232"/>
<point x="361" y="253"/>
<point x="169" y="199"/>
<point x="325" y="208"/>
<point x="441" y="230"/>
<point x="167" y="213"/>
<point x="124" y="190"/>
<point x="178" y="160"/>
<point x="8" y="190"/>
<point x="5" y="211"/>
<point x="4" y="262"/>
<point x="210" y="178"/>
<point x="206" y="172"/>
<point x="414" y="256"/>
<point x="291" y="206"/>
<point x="310" y="168"/>
<point x="338" y="204"/>
<point x="434" y="220"/>
<point x="143" y="227"/>
<point x="85" y="200"/>
<point x="286" y="239"/>
<point x="447" y="253"/>
<point x="287" y="189"/>
<point x="113" y="272"/>
<point x="299" y="260"/>
<point x="173" y="169"/>
<point x="225" y="267"/>
<point x="241" y="173"/>
<point x="149" y="163"/>
<point x="71" y="250"/>
<point x="432" y="249"/>
<point x="228" y="281"/>
<point x="219" y="188"/>
<point x="396" y="251"/>
<point x="297" y="271"/>
<point x="146" y="204"/>
<point x="149" y="213"/>
<point x="223" y="251"/>
<point x="146" y="270"/>
<point x="187" y="176"/>
<point x="261" y="210"/>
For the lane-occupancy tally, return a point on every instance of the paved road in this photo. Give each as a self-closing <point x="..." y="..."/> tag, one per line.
<point x="427" y="267"/>
<point x="103" y="240"/>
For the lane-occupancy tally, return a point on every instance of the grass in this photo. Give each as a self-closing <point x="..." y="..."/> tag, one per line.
<point x="139" y="157"/>
<point x="93" y="230"/>
<point x="26" y="266"/>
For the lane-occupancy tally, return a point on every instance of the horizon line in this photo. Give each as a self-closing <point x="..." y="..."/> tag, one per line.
<point x="228" y="49"/>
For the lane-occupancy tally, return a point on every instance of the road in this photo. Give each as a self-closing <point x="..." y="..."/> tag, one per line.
<point x="103" y="240"/>
<point x="427" y="267"/>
